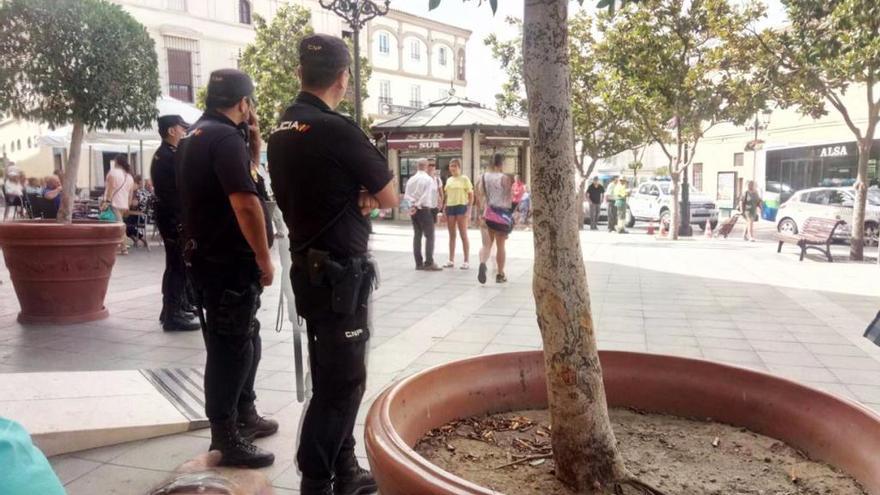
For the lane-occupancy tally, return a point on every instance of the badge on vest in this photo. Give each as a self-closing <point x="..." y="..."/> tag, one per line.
<point x="353" y="334"/>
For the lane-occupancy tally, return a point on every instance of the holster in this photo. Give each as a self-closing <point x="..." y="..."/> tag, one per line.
<point x="323" y="283"/>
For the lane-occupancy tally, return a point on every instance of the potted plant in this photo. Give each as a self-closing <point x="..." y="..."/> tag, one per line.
<point x="568" y="377"/>
<point x="90" y="65"/>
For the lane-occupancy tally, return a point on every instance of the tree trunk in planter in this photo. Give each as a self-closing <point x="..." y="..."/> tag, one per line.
<point x="65" y="213"/>
<point x="579" y="204"/>
<point x="857" y="239"/>
<point x="675" y="207"/>
<point x="584" y="446"/>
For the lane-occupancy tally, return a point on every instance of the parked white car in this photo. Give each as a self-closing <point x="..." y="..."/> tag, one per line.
<point x="830" y="203"/>
<point x="652" y="201"/>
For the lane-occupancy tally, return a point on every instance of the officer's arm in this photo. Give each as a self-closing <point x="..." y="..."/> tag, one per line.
<point x="249" y="213"/>
<point x="387" y="197"/>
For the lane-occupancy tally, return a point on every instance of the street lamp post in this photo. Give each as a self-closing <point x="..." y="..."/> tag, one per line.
<point x="356" y="13"/>
<point x="761" y="123"/>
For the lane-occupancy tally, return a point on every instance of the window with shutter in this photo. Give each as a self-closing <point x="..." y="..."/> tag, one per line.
<point x="180" y="80"/>
<point x="244" y="12"/>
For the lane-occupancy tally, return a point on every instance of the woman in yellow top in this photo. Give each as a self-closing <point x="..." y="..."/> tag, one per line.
<point x="459" y="197"/>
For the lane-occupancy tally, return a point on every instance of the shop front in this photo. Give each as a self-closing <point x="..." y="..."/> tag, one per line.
<point x="453" y="128"/>
<point x="791" y="169"/>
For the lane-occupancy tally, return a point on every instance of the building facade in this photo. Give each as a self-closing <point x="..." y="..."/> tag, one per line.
<point x="791" y="152"/>
<point x="415" y="61"/>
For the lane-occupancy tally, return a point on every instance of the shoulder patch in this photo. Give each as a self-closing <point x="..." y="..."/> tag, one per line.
<point x="292" y="125"/>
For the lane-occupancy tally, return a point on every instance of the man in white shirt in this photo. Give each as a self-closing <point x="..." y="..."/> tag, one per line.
<point x="423" y="197"/>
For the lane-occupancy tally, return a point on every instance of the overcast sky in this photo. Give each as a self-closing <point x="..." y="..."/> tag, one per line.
<point x="483" y="73"/>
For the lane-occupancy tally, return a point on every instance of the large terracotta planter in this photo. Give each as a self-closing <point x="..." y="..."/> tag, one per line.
<point x="60" y="271"/>
<point x="827" y="428"/>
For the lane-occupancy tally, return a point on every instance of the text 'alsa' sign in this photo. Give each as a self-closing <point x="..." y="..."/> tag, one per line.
<point x="833" y="151"/>
<point x="425" y="141"/>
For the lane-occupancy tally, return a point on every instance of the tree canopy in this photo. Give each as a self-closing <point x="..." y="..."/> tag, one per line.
<point x="682" y="73"/>
<point x="86" y="61"/>
<point x="831" y="47"/>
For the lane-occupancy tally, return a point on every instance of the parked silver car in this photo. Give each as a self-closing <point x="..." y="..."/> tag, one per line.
<point x="652" y="201"/>
<point x="830" y="203"/>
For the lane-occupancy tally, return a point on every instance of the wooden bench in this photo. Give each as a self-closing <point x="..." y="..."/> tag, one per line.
<point x="817" y="234"/>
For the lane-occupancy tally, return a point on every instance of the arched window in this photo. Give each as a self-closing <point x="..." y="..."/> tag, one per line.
<point x="460" y="66"/>
<point x="244" y="12"/>
<point x="18" y="144"/>
<point x="29" y="143"/>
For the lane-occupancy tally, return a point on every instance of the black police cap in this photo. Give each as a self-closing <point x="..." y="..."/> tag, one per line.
<point x="324" y="52"/>
<point x="228" y="86"/>
<point x="168" y="121"/>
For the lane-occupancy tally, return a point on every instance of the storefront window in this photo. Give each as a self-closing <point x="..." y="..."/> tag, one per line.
<point x="793" y="169"/>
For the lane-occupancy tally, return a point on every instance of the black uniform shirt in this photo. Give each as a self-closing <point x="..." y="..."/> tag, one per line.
<point x="319" y="161"/>
<point x="595" y="192"/>
<point x="165" y="185"/>
<point x="213" y="162"/>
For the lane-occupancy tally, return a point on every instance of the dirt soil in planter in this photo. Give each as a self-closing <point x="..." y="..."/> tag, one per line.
<point x="510" y="453"/>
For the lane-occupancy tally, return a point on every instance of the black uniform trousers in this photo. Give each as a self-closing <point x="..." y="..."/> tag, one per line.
<point x="229" y="293"/>
<point x="337" y="361"/>
<point x="174" y="278"/>
<point x="423" y="225"/>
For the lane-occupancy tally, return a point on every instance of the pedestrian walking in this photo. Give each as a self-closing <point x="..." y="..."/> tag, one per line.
<point x="611" y="200"/>
<point x="118" y="192"/>
<point x="621" y="193"/>
<point x="176" y="312"/>
<point x="751" y="203"/>
<point x="494" y="200"/>
<point x="327" y="176"/>
<point x="423" y="196"/>
<point x="595" y="195"/>
<point x="227" y="251"/>
<point x="459" y="197"/>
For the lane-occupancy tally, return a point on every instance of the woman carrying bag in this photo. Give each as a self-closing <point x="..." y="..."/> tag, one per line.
<point x="118" y="191"/>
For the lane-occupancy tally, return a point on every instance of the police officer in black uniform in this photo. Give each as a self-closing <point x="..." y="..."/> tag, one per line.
<point x="227" y="250"/>
<point x="327" y="176"/>
<point x="174" y="315"/>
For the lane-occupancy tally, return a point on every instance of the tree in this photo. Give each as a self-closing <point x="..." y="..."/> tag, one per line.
<point x="678" y="60"/>
<point x="603" y="122"/>
<point x="830" y="47"/>
<point x="87" y="63"/>
<point x="271" y="60"/>
<point x="584" y="447"/>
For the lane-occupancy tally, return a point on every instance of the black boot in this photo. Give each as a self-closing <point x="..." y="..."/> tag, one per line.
<point x="352" y="479"/>
<point x="180" y="322"/>
<point x="236" y="450"/>
<point x="315" y="487"/>
<point x="251" y="425"/>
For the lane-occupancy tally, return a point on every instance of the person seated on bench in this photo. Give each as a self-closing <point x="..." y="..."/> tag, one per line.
<point x="52" y="190"/>
<point x="25" y="470"/>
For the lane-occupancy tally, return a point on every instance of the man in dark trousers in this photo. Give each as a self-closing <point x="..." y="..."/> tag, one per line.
<point x="594" y="195"/>
<point x="227" y="251"/>
<point x="174" y="315"/>
<point x="327" y="176"/>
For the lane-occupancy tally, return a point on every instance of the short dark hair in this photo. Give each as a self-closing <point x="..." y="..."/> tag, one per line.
<point x="320" y="77"/>
<point x="498" y="159"/>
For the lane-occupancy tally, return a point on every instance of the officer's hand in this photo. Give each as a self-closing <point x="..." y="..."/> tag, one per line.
<point x="267" y="272"/>
<point x="367" y="202"/>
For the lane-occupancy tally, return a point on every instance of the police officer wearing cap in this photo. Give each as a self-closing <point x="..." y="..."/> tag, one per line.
<point x="174" y="315"/>
<point x="227" y="252"/>
<point x="327" y="177"/>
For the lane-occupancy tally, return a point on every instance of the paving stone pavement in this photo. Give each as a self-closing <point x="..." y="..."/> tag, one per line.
<point x="722" y="300"/>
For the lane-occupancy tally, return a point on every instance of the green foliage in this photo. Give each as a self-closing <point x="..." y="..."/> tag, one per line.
<point x="635" y="165"/>
<point x="271" y="60"/>
<point x="201" y="98"/>
<point x="603" y="122"/>
<point x="677" y="61"/>
<point x="86" y="61"/>
<point x="829" y="46"/>
<point x="508" y="53"/>
<point x="661" y="172"/>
